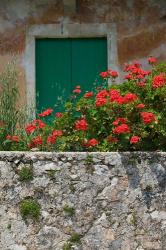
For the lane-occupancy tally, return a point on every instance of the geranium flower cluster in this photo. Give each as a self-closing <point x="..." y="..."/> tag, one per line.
<point x="136" y="73"/>
<point x="58" y="115"/>
<point x="127" y="98"/>
<point x="109" y="73"/>
<point x="35" y="142"/>
<point x="46" y="112"/>
<point x="148" y="117"/>
<point x="135" y="139"/>
<point x="77" y="90"/>
<point x="114" y="96"/>
<point x="13" y="138"/>
<point x="122" y="129"/>
<point x="101" y="98"/>
<point x="88" y="94"/>
<point x="91" y="143"/>
<point x="34" y="125"/>
<point x="127" y="116"/>
<point x="51" y="139"/>
<point x="81" y="125"/>
<point x="159" y="81"/>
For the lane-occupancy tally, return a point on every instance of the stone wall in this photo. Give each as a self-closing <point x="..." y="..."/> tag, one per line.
<point x="141" y="25"/>
<point x="95" y="201"/>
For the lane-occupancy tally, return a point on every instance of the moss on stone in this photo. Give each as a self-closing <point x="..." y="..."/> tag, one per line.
<point x="89" y="164"/>
<point x="26" y="174"/>
<point x="30" y="208"/>
<point x="75" y="238"/>
<point x="69" y="210"/>
<point x="67" y="246"/>
<point x="52" y="173"/>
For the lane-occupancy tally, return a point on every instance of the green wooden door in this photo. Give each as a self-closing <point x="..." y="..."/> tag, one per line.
<point x="61" y="64"/>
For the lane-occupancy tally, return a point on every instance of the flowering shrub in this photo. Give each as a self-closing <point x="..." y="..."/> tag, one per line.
<point x="128" y="116"/>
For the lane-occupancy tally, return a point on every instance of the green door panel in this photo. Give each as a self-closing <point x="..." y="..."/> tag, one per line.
<point x="53" y="71"/>
<point x="61" y="64"/>
<point x="89" y="58"/>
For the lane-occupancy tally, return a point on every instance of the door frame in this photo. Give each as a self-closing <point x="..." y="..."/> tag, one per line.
<point x="65" y="30"/>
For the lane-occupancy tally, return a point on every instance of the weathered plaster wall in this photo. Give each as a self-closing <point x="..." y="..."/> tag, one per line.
<point x="141" y="24"/>
<point x="119" y="200"/>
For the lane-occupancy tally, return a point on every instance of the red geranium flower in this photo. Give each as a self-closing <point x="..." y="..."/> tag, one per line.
<point x="113" y="73"/>
<point x="114" y="95"/>
<point x="148" y="117"/>
<point x="102" y="94"/>
<point x="51" y="139"/>
<point x="121" y="100"/>
<point x="112" y="139"/>
<point x="77" y="91"/>
<point x="57" y="133"/>
<point x="140" y="76"/>
<point x="8" y="137"/>
<point x="92" y="143"/>
<point x="88" y="95"/>
<point x="100" y="102"/>
<point x="128" y="77"/>
<point x="159" y="81"/>
<point x="14" y="138"/>
<point x="121" y="129"/>
<point x="30" y="128"/>
<point x="141" y="83"/>
<point x="58" y="114"/>
<point x="81" y="125"/>
<point x="146" y="72"/>
<point x="133" y="68"/>
<point x="104" y="74"/>
<point x="130" y="97"/>
<point x="36" y="141"/>
<point x="46" y="112"/>
<point x="34" y="125"/>
<point x="39" y="123"/>
<point x="134" y="139"/>
<point x="140" y="106"/>
<point x="152" y="60"/>
<point x="119" y="120"/>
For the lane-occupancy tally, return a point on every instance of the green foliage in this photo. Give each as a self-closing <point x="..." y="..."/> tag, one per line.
<point x="30" y="208"/>
<point x="89" y="160"/>
<point x="67" y="246"/>
<point x="26" y="174"/>
<point x="139" y="102"/>
<point x="89" y="164"/>
<point x="69" y="210"/>
<point x="72" y="188"/>
<point x="134" y="219"/>
<point x="52" y="173"/>
<point x="9" y="226"/>
<point x="8" y="98"/>
<point x="75" y="238"/>
<point x="12" y="117"/>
